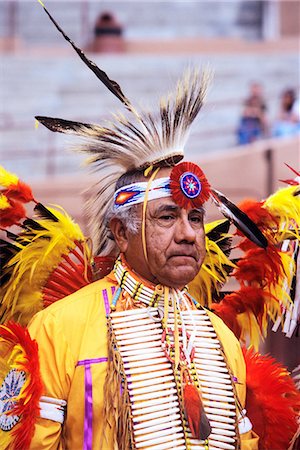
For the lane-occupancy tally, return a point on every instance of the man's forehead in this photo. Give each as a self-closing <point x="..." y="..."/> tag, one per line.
<point x="167" y="204"/>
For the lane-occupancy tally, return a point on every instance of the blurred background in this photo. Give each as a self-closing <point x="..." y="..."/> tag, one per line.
<point x="248" y="128"/>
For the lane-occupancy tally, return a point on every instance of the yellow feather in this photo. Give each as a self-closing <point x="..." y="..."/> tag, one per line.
<point x="4" y="203"/>
<point x="31" y="266"/>
<point x="212" y="273"/>
<point x="7" y="178"/>
<point x="286" y="207"/>
<point x="250" y="329"/>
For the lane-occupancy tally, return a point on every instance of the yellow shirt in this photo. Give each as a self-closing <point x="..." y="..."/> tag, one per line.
<point x="72" y="336"/>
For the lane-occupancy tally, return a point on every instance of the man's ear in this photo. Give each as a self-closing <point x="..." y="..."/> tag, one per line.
<point x="119" y="231"/>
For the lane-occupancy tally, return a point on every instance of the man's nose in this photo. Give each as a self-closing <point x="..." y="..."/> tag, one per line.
<point x="184" y="231"/>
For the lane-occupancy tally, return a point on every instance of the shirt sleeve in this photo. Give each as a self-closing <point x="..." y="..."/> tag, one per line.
<point x="57" y="368"/>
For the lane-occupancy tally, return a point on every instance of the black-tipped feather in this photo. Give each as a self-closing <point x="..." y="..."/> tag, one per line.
<point x="7" y="251"/>
<point x="30" y="224"/>
<point x="218" y="235"/>
<point x="44" y="213"/>
<point x="62" y="125"/>
<point x="100" y="74"/>
<point x="240" y="219"/>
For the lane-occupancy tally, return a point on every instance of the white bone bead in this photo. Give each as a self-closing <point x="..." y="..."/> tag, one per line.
<point x="160" y="426"/>
<point x="200" y="356"/>
<point x="221" y="445"/>
<point x="160" y="365"/>
<point x="151" y="375"/>
<point x="135" y="385"/>
<point x="138" y="340"/>
<point x="155" y="401"/>
<point x="155" y="411"/>
<point x="138" y="311"/>
<point x="126" y="324"/>
<point x="221" y="398"/>
<point x="206" y="343"/>
<point x="157" y="394"/>
<point x="223" y="438"/>
<point x="142" y="336"/>
<point x="159" y="436"/>
<point x="133" y="330"/>
<point x="174" y="445"/>
<point x="205" y="380"/>
<point x="140" y="355"/>
<point x="223" y="421"/>
<point x="162" y="420"/>
<point x="217" y="390"/>
<point x="149" y="362"/>
<point x="218" y="409"/>
<point x="222" y="431"/>
<point x="211" y="366"/>
<point x="152" y="388"/>
<point x="218" y="404"/>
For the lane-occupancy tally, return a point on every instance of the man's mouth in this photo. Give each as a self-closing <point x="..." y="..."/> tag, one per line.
<point x="184" y="255"/>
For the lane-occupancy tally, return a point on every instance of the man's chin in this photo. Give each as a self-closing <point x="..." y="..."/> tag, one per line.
<point x="178" y="277"/>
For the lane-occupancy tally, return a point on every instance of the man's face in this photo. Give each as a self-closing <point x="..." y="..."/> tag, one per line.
<point x="175" y="243"/>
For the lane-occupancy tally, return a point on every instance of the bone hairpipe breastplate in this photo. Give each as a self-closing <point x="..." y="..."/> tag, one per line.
<point x="158" y="421"/>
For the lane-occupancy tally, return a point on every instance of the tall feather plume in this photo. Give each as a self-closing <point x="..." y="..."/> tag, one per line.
<point x="100" y="74"/>
<point x="125" y="145"/>
<point x="128" y="145"/>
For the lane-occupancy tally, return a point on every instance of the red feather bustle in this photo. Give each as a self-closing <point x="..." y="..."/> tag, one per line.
<point x="248" y="299"/>
<point x="27" y="403"/>
<point x="272" y="401"/>
<point x="12" y="215"/>
<point x="21" y="192"/>
<point x="265" y="221"/>
<point x="260" y="266"/>
<point x="189" y="186"/>
<point x="72" y="273"/>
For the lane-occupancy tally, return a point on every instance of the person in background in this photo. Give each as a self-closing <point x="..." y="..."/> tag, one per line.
<point x="253" y="122"/>
<point x="288" y="121"/>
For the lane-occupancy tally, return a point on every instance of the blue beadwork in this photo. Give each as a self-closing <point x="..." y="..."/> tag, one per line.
<point x="116" y="296"/>
<point x="190" y="185"/>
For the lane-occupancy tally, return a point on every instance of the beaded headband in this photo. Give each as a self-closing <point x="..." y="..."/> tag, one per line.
<point x="187" y="185"/>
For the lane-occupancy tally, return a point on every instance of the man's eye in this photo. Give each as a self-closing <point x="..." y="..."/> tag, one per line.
<point x="166" y="218"/>
<point x="196" y="219"/>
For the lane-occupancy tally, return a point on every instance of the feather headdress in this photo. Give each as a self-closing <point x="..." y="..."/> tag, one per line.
<point x="147" y="140"/>
<point x="127" y="145"/>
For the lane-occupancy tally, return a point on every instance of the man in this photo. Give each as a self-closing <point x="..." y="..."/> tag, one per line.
<point x="73" y="340"/>
<point x="132" y="361"/>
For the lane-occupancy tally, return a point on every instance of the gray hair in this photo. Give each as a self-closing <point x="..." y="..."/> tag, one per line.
<point x="128" y="216"/>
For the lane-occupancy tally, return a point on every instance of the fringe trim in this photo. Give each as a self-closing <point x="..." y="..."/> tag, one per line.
<point x="116" y="408"/>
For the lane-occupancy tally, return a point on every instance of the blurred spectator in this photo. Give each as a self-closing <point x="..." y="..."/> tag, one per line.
<point x="288" y="120"/>
<point x="108" y="35"/>
<point x="253" y="122"/>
